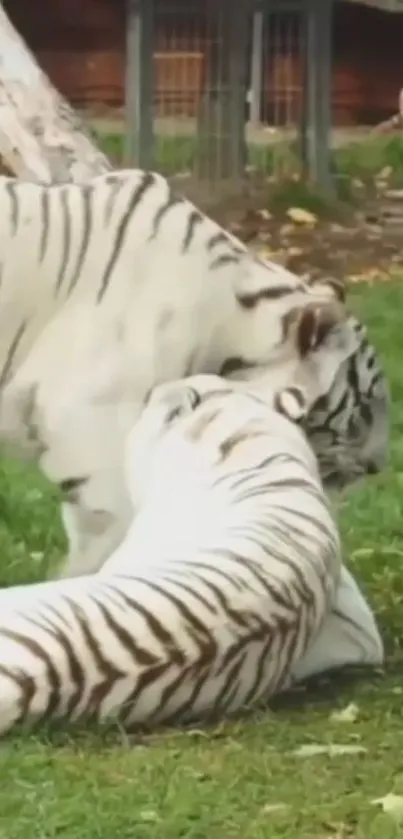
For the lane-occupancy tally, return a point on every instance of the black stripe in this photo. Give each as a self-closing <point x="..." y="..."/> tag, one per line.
<point x="195" y="218"/>
<point x="249" y="301"/>
<point x="148" y="677"/>
<point x="109" y="673"/>
<point x="172" y="201"/>
<point x="6" y="370"/>
<point x="156" y="628"/>
<point x="139" y="654"/>
<point x="86" y="195"/>
<point x="45" y="222"/>
<point x="185" y="711"/>
<point x="146" y="183"/>
<point x="66" y="237"/>
<point x="15" y="214"/>
<point x="116" y="185"/>
<point x="220" y="238"/>
<point x="25" y="684"/>
<point x="171" y="578"/>
<point x="68" y="487"/>
<point x="53" y="680"/>
<point x="223" y="260"/>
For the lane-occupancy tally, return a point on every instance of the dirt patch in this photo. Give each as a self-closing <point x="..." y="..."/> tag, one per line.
<point x="366" y="245"/>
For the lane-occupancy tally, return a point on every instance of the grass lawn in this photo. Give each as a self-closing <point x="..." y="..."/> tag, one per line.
<point x="239" y="779"/>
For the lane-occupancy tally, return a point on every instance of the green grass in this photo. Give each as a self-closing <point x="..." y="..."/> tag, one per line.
<point x="363" y="160"/>
<point x="359" y="170"/>
<point x="221" y="783"/>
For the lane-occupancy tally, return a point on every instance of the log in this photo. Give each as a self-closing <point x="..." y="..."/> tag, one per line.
<point x="41" y="136"/>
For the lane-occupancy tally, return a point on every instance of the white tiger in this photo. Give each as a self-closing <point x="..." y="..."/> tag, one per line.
<point x="112" y="287"/>
<point x="224" y="582"/>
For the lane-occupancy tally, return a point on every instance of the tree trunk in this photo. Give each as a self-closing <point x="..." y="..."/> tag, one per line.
<point x="41" y="137"/>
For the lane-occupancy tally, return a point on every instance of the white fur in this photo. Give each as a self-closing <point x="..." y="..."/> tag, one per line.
<point x="84" y="367"/>
<point x="221" y="592"/>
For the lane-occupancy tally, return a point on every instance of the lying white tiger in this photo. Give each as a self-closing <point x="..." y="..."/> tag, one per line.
<point x="220" y="594"/>
<point x="110" y="288"/>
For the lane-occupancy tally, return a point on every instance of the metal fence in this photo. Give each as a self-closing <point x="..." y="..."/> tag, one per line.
<point x="220" y="91"/>
<point x="185" y="96"/>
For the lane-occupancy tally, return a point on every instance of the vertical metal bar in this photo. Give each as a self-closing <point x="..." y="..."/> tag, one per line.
<point x="256" y="70"/>
<point x="221" y="126"/>
<point x="239" y="20"/>
<point x="317" y="117"/>
<point x="139" y="141"/>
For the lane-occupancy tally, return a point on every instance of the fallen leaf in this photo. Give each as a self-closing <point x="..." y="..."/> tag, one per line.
<point x="264" y="214"/>
<point x="265" y="253"/>
<point x="286" y="230"/>
<point x="362" y="552"/>
<point x="264" y="236"/>
<point x="274" y="808"/>
<point x="149" y="816"/>
<point x="300" y="216"/>
<point x="337" y="228"/>
<point x="347" y="714"/>
<point x="385" y="173"/>
<point x="331" y="749"/>
<point x="37" y="556"/>
<point x="391" y="804"/>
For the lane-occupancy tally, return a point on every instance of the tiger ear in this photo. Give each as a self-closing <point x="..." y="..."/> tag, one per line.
<point x="311" y="325"/>
<point x="291" y="402"/>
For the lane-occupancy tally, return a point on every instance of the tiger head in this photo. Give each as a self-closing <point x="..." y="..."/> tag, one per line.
<point x="348" y="424"/>
<point x="325" y="349"/>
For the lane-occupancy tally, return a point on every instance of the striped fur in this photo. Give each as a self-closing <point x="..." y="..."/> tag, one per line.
<point x="110" y="288"/>
<point x="222" y="585"/>
<point x="225" y="576"/>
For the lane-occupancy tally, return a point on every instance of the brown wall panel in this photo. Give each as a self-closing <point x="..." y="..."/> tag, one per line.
<point x="81" y="45"/>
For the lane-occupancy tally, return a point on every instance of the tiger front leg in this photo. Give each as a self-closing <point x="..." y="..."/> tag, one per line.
<point x="98" y="509"/>
<point x="96" y="514"/>
<point x="92" y="546"/>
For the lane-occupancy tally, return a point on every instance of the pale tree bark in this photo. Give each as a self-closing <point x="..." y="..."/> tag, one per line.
<point x="41" y="137"/>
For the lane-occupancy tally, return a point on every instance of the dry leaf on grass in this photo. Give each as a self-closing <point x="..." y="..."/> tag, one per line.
<point x="265" y="253"/>
<point x="347" y="714"/>
<point x="264" y="214"/>
<point x="391" y="804"/>
<point x="274" y="808"/>
<point x="300" y="216"/>
<point x="149" y="816"/>
<point x="361" y="553"/>
<point x="294" y="251"/>
<point x="385" y="173"/>
<point x="331" y="749"/>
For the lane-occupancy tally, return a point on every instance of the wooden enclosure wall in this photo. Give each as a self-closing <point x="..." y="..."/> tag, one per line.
<point x="81" y="45"/>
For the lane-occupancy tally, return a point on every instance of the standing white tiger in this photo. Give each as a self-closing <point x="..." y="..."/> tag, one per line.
<point x="110" y="288"/>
